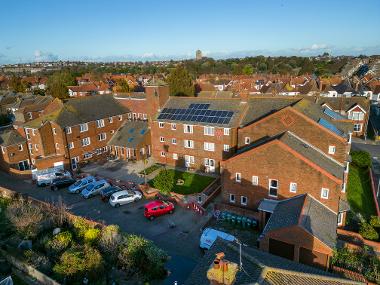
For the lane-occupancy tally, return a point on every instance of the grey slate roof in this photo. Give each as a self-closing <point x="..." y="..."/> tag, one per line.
<point x="308" y="213"/>
<point x="345" y="103"/>
<point x="234" y="105"/>
<point x="11" y="137"/>
<point x="262" y="268"/>
<point x="130" y="135"/>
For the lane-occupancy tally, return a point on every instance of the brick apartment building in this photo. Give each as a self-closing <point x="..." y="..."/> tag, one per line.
<point x="14" y="151"/>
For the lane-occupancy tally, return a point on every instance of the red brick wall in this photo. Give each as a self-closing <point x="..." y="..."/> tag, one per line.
<point x="272" y="161"/>
<point x="154" y="103"/>
<point x="12" y="155"/>
<point x="288" y="119"/>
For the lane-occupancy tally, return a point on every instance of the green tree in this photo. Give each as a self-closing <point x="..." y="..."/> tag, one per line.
<point x="164" y="181"/>
<point x="58" y="82"/>
<point x="180" y="82"/>
<point x="248" y="69"/>
<point x="122" y="86"/>
<point x="17" y="85"/>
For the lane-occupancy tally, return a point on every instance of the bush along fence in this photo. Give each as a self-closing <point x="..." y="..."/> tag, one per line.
<point x="69" y="249"/>
<point x="374" y="191"/>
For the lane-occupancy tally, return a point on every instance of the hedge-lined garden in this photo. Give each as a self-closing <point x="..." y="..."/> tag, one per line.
<point x="70" y="249"/>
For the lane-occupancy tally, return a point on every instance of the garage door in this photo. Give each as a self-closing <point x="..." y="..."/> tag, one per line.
<point x="313" y="258"/>
<point x="281" y="248"/>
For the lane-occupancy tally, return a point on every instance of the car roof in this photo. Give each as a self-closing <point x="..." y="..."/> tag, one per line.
<point x="119" y="193"/>
<point x="88" y="177"/>
<point x="153" y="204"/>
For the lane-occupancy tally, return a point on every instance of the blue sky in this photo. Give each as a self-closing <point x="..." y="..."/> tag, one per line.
<point x="161" y="29"/>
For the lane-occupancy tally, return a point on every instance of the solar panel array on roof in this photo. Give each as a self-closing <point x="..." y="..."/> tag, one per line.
<point x="197" y="113"/>
<point x="330" y="126"/>
<point x="332" y="114"/>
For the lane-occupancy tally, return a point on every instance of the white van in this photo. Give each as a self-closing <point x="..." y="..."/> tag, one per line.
<point x="210" y="235"/>
<point x="46" y="176"/>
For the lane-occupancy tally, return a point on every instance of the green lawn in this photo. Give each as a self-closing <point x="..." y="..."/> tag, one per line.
<point x="193" y="183"/>
<point x="151" y="169"/>
<point x="359" y="193"/>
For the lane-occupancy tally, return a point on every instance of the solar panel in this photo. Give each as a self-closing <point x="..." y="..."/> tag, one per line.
<point x="332" y="114"/>
<point x="330" y="126"/>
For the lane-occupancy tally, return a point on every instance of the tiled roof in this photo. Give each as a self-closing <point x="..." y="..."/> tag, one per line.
<point x="260" y="267"/>
<point x="11" y="137"/>
<point x="345" y="103"/>
<point x="130" y="135"/>
<point x="308" y="213"/>
<point x="216" y="94"/>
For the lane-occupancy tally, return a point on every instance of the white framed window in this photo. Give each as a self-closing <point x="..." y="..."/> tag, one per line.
<point x="340" y="219"/>
<point x="247" y="140"/>
<point x="273" y="187"/>
<point x="83" y="127"/>
<point x="161" y="125"/>
<point x="332" y="149"/>
<point x="36" y="147"/>
<point x="357" y="116"/>
<point x="173" y="126"/>
<point x="129" y="115"/>
<point x="243" y="200"/>
<point x="100" y="123"/>
<point x="175" y="156"/>
<point x="325" y="193"/>
<point x="33" y="132"/>
<point x="174" y="141"/>
<point x="226" y="147"/>
<point x="87" y="155"/>
<point x="209" y="131"/>
<point x="54" y="131"/>
<point x="112" y="132"/>
<point x="86" y="141"/>
<point x="357" y="128"/>
<point x="162" y="139"/>
<point x="3" y="149"/>
<point x="120" y="117"/>
<point x="255" y="180"/>
<point x="145" y="117"/>
<point x="232" y="198"/>
<point x="163" y="154"/>
<point x="30" y="148"/>
<point x="30" y="115"/>
<point x="188" y="144"/>
<point x="56" y="145"/>
<point x="293" y="187"/>
<point x="20" y="147"/>
<point x="102" y="136"/>
<point x="70" y="145"/>
<point x="209" y="146"/>
<point x="68" y="130"/>
<point x="226" y="131"/>
<point x="188" y="129"/>
<point x="110" y="120"/>
<point x="238" y="177"/>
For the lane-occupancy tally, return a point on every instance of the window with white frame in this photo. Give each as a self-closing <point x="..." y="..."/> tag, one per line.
<point x="20" y="148"/>
<point x="33" y="132"/>
<point x="247" y="140"/>
<point x="273" y="187"/>
<point x="54" y="131"/>
<point x="243" y="200"/>
<point x="162" y="153"/>
<point x="100" y="123"/>
<point x="162" y="139"/>
<point x="238" y="177"/>
<point x="293" y="187"/>
<point x="145" y="117"/>
<point x="226" y="131"/>
<point x="68" y="130"/>
<point x="36" y="147"/>
<point x="332" y="149"/>
<point x="209" y="131"/>
<point x="110" y="120"/>
<point x="324" y="193"/>
<point x="120" y="117"/>
<point x="56" y="145"/>
<point x="112" y="132"/>
<point x="86" y="141"/>
<point x="30" y="148"/>
<point x="87" y="155"/>
<point x="340" y="219"/>
<point x="173" y="126"/>
<point x="30" y="115"/>
<point x="357" y="128"/>
<point x="102" y="136"/>
<point x="3" y="149"/>
<point x="226" y="147"/>
<point x="232" y="198"/>
<point x="255" y="180"/>
<point x="357" y="116"/>
<point x="83" y="127"/>
<point x="161" y="125"/>
<point x="174" y="141"/>
<point x="188" y="143"/>
<point x="71" y="145"/>
<point x="188" y="129"/>
<point x="175" y="156"/>
<point x="209" y="146"/>
<point x="129" y="115"/>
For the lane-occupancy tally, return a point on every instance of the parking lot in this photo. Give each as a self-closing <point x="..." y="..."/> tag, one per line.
<point x="178" y="233"/>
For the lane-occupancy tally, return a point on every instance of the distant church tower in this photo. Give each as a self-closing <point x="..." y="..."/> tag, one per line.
<point x="198" y="55"/>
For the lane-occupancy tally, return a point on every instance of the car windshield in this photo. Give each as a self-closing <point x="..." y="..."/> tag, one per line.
<point x="90" y="187"/>
<point x="78" y="183"/>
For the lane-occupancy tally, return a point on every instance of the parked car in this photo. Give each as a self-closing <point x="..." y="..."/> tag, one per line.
<point x="46" y="177"/>
<point x="61" y="183"/>
<point x="94" y="188"/>
<point x="124" y="197"/>
<point x="81" y="184"/>
<point x="158" y="208"/>
<point x="107" y="192"/>
<point x="210" y="235"/>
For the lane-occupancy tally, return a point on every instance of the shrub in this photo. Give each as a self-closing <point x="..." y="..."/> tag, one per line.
<point x="91" y="236"/>
<point x="361" y="159"/>
<point x="375" y="221"/>
<point x="37" y="260"/>
<point x="81" y="226"/>
<point x="368" y="232"/>
<point x="59" y="242"/>
<point x="25" y="217"/>
<point x="164" y="181"/>
<point x="110" y="238"/>
<point x="140" y="256"/>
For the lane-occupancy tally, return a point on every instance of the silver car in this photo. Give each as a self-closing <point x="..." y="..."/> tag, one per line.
<point x="81" y="184"/>
<point x="94" y="188"/>
<point x="124" y="197"/>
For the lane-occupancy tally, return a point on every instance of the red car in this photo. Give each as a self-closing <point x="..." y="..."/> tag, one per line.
<point x="158" y="208"/>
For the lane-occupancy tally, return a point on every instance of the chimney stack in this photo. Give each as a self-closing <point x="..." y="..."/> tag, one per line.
<point x="244" y="95"/>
